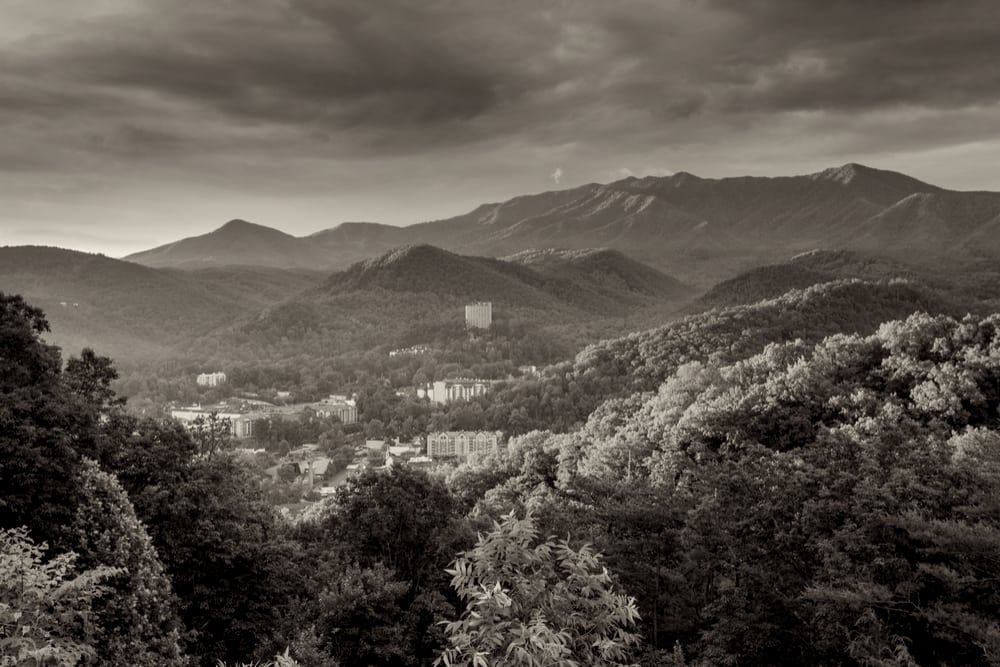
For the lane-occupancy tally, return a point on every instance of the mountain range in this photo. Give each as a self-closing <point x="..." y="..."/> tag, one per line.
<point x="701" y="230"/>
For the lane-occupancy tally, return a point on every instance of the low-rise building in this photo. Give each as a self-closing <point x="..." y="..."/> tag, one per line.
<point x="240" y="424"/>
<point x="314" y="469"/>
<point x="341" y="407"/>
<point x="462" y="444"/>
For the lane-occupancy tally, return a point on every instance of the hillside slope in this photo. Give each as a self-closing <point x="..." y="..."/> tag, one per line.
<point x="134" y="312"/>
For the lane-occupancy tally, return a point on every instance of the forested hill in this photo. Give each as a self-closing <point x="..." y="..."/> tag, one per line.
<point x="123" y="308"/>
<point x="425" y="268"/>
<point x="133" y="312"/>
<point x="416" y="294"/>
<point x="592" y="279"/>
<point x="639" y="362"/>
<point x="964" y="282"/>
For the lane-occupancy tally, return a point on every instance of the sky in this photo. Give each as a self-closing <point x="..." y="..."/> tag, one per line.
<point x="131" y="123"/>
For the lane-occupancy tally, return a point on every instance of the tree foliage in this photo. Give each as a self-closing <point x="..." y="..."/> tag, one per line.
<point x="531" y="602"/>
<point x="136" y="622"/>
<point x="46" y="615"/>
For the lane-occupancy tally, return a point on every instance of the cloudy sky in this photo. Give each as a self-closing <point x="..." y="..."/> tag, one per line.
<point x="131" y="123"/>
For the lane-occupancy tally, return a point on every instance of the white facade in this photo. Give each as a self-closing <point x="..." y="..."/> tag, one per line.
<point x="461" y="389"/>
<point x="338" y="406"/>
<point x="479" y="315"/>
<point x="461" y="444"/>
<point x="211" y="379"/>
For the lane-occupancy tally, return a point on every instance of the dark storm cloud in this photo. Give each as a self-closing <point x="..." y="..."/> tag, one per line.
<point x="394" y="76"/>
<point x="858" y="55"/>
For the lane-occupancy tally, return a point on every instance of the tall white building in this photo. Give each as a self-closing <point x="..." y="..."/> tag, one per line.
<point x="459" y="389"/>
<point x="479" y="315"/>
<point x="211" y="379"/>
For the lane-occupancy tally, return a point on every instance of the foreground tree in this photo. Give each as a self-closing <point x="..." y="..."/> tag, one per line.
<point x="38" y="460"/>
<point x="227" y="558"/>
<point x="136" y="623"/>
<point x="378" y="550"/>
<point x="46" y="615"/>
<point x="536" y="603"/>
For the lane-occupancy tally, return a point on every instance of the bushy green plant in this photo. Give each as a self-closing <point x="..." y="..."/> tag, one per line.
<point x="531" y="602"/>
<point x="45" y="605"/>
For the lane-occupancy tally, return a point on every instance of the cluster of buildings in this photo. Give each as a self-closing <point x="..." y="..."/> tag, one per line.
<point x="211" y="379"/>
<point x="440" y="445"/>
<point x="410" y="351"/>
<point x="241" y="422"/>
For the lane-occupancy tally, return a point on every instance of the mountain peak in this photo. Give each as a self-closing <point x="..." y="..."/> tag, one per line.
<point x="240" y="226"/>
<point x="683" y="177"/>
<point x="235" y="223"/>
<point x="237" y="242"/>
<point x="844" y="173"/>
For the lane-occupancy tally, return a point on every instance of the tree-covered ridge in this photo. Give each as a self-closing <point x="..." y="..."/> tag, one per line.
<point x="965" y="282"/>
<point x="569" y="392"/>
<point x="815" y="503"/>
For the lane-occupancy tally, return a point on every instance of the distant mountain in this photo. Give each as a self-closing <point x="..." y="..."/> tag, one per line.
<point x="130" y="311"/>
<point x="952" y="222"/>
<point x="235" y="243"/>
<point x="349" y="242"/>
<point x="702" y="230"/>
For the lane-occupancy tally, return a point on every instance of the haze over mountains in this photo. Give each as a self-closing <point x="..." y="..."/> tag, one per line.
<point x="698" y="229"/>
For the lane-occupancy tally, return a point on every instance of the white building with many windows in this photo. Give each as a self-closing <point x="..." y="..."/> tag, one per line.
<point x="338" y="406"/>
<point x="462" y="444"/>
<point x="458" y="389"/>
<point x="479" y="315"/>
<point x="211" y="379"/>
